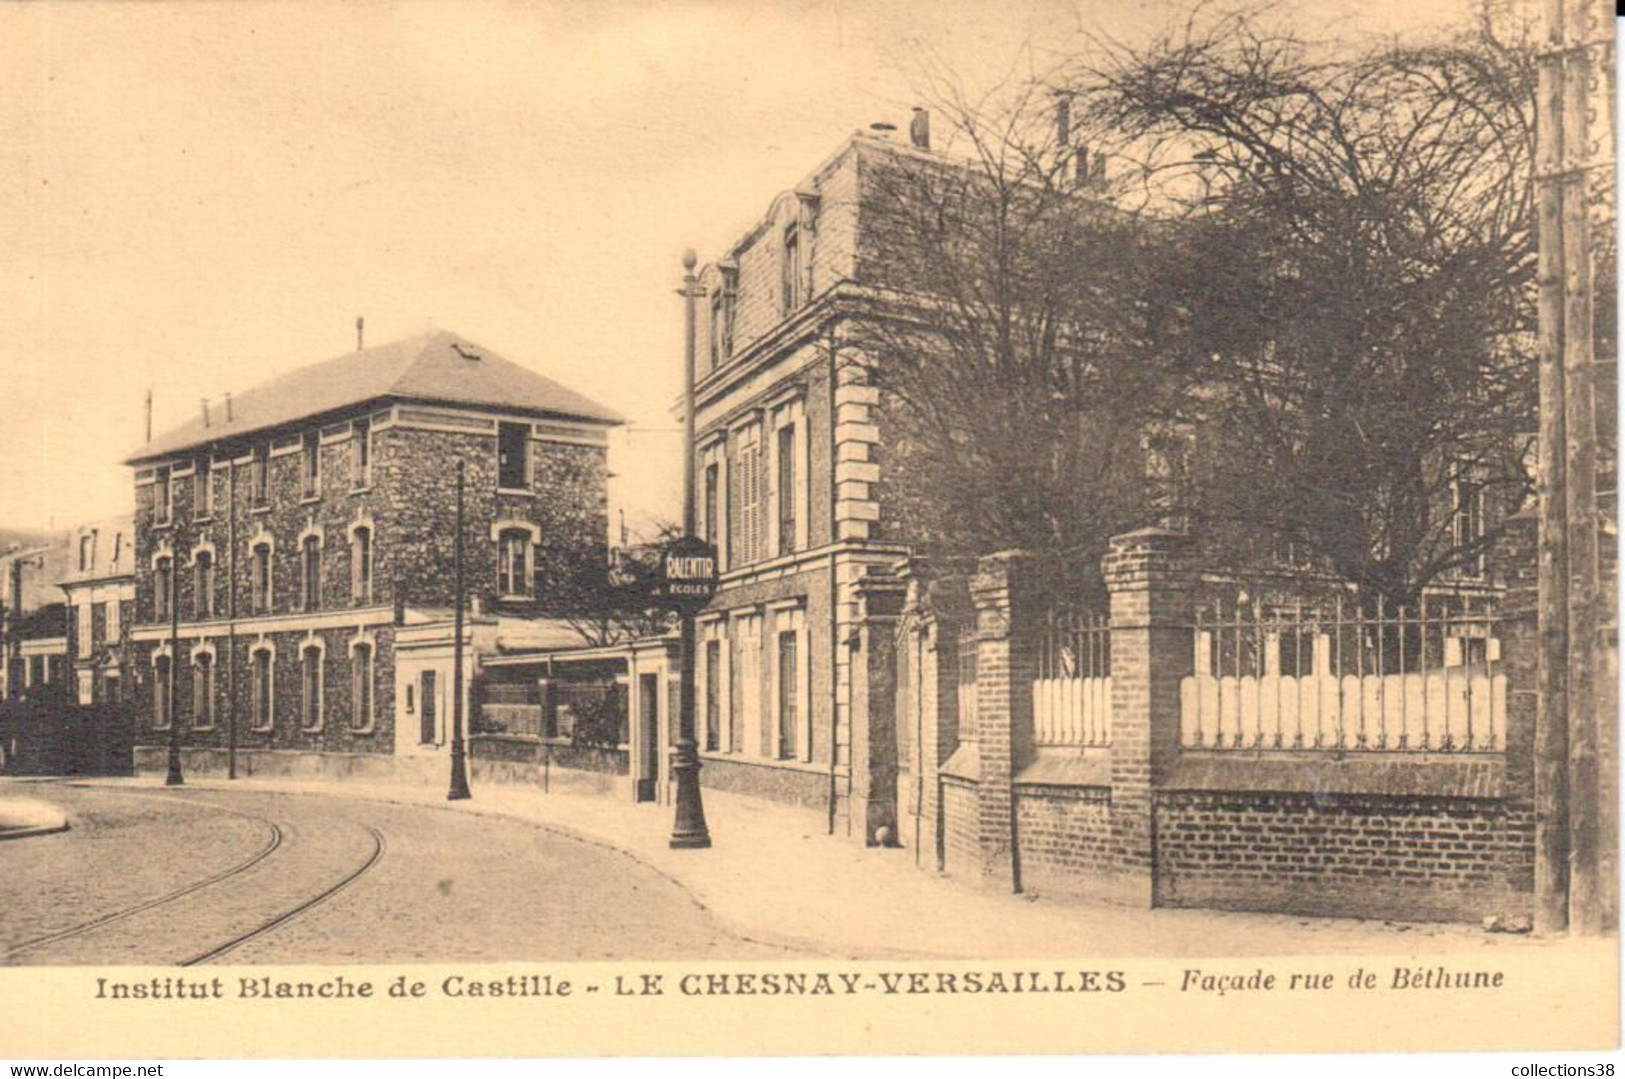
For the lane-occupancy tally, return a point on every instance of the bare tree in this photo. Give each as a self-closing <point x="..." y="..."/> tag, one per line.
<point x="1351" y="281"/>
<point x="1011" y="350"/>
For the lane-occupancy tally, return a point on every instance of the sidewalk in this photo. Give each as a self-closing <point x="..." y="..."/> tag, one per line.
<point x="21" y="818"/>
<point x="774" y="876"/>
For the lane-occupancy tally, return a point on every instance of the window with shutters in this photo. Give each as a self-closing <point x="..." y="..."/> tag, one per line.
<point x="787" y="491"/>
<point x="163" y="490"/>
<point x="311" y="464"/>
<point x="750" y="484"/>
<point x="259" y="476"/>
<point x="203" y="584"/>
<point x="513" y="563"/>
<point x="361" y="564"/>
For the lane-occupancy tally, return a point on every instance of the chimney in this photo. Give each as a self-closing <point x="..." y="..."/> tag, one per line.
<point x="149" y="415"/>
<point x="360" y="327"/>
<point x="228" y="406"/>
<point x="205" y="412"/>
<point x="882" y="130"/>
<point x="919" y="128"/>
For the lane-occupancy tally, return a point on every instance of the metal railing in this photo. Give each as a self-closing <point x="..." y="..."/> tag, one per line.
<point x="1072" y="695"/>
<point x="1339" y="678"/>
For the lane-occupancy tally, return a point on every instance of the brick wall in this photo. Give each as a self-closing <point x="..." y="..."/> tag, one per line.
<point x="1065" y="834"/>
<point x="960" y="843"/>
<point x="1363" y="855"/>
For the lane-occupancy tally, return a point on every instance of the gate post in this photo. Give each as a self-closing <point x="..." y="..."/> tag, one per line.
<point x="1006" y="610"/>
<point x="1149" y="581"/>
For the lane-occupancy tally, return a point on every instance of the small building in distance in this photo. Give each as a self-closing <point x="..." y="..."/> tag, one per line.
<point x="100" y="593"/>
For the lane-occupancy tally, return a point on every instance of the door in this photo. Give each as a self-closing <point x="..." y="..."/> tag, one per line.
<point x="427" y="706"/>
<point x="648" y="736"/>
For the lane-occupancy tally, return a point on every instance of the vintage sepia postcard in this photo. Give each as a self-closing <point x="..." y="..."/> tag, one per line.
<point x="807" y="527"/>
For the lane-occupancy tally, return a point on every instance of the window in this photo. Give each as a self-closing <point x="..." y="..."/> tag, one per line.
<point x="202" y="489"/>
<point x="719" y="355"/>
<point x="260" y="578"/>
<point x="785" y="453"/>
<point x="429" y="729"/>
<point x="791" y="268"/>
<point x="310" y="687"/>
<point x="84" y="630"/>
<point x="311" y="581"/>
<point x="163" y="589"/>
<point x="513" y="456"/>
<point x="746" y="539"/>
<point x="789" y="692"/>
<point x="709" y="505"/>
<point x="163" y="495"/>
<point x="203" y="690"/>
<point x="259" y="479"/>
<point x="361" y="685"/>
<point x="114" y="630"/>
<point x="744" y="708"/>
<point x="361" y="564"/>
<point x="163" y="689"/>
<point x="361" y="454"/>
<point x="87" y="548"/>
<point x="713" y="695"/>
<point x="513" y="563"/>
<point x="1467" y="523"/>
<point x="311" y="464"/>
<point x="261" y="690"/>
<point x="411" y="698"/>
<point x="203" y="584"/>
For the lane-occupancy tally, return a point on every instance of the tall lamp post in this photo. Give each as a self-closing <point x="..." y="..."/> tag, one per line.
<point x="459" y="766"/>
<point x="174" y="778"/>
<point x="688" y="830"/>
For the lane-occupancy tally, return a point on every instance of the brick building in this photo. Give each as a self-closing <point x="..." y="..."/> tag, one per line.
<point x="100" y="594"/>
<point x="32" y="632"/>
<point x="301" y="536"/>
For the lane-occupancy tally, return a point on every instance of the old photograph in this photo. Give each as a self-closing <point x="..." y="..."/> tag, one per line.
<point x="608" y="505"/>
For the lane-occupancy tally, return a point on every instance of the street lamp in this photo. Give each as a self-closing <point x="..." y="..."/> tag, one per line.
<point x="459" y="767"/>
<point x="688" y="830"/>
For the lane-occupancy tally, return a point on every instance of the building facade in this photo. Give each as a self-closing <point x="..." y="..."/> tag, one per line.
<point x="100" y="594"/>
<point x="32" y="617"/>
<point x="284" y="545"/>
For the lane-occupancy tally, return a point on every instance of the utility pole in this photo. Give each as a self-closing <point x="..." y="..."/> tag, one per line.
<point x="459" y="766"/>
<point x="689" y="830"/>
<point x="1571" y="891"/>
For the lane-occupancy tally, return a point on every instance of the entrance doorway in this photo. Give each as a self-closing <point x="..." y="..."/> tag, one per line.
<point x="648" y="736"/>
<point x="427" y="709"/>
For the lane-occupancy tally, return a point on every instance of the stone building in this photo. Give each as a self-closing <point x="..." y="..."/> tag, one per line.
<point x="31" y="616"/>
<point x="294" y="550"/>
<point x="100" y="594"/>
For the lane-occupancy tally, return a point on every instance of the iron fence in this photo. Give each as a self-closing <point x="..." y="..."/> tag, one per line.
<point x="1072" y="695"/>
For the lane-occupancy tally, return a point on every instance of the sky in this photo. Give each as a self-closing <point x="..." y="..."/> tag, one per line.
<point x="194" y="197"/>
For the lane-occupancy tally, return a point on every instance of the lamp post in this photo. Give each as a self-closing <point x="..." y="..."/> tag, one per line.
<point x="459" y="767"/>
<point x="688" y="830"/>
<point x="174" y="778"/>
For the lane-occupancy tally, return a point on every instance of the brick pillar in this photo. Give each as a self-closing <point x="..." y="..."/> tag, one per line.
<point x="928" y="639"/>
<point x="1006" y="609"/>
<point x="1148" y="577"/>
<point x="874" y="699"/>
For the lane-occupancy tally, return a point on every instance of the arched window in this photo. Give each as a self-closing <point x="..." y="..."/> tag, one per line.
<point x="203" y="690"/>
<point x="203" y="583"/>
<point x="163" y="692"/>
<point x="311" y="563"/>
<point x="260" y="578"/>
<point x="362" y="701"/>
<point x="262" y="690"/>
<point x="516" y="569"/>
<point x="361" y="564"/>
<point x="310" y="687"/>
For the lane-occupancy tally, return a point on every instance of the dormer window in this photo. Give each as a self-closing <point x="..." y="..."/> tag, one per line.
<point x="791" y="268"/>
<point x="87" y="549"/>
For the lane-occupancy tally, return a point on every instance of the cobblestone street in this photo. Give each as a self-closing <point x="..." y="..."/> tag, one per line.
<point x="146" y="876"/>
